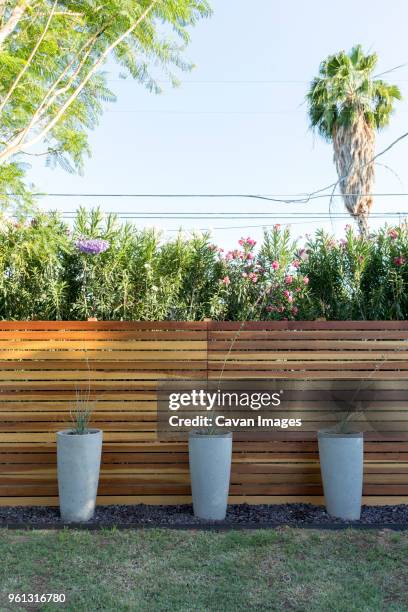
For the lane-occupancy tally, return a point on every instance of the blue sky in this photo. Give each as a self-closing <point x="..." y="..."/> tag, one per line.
<point x="238" y="123"/>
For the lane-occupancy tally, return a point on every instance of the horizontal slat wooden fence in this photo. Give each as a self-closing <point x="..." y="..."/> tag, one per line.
<point x="43" y="363"/>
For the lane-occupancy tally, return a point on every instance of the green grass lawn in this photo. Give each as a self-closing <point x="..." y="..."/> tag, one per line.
<point x="284" y="569"/>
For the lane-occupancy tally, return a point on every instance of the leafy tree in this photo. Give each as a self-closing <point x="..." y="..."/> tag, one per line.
<point x="347" y="105"/>
<point x="51" y="81"/>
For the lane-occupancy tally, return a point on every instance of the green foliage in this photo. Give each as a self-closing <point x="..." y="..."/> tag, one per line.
<point x="358" y="277"/>
<point x="52" y="84"/>
<point x="45" y="273"/>
<point x="346" y="89"/>
<point x="81" y="412"/>
<point x="32" y="258"/>
<point x="14" y="193"/>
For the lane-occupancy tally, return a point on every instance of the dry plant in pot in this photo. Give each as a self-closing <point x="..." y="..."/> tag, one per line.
<point x="79" y="452"/>
<point x="210" y="456"/>
<point x="341" y="449"/>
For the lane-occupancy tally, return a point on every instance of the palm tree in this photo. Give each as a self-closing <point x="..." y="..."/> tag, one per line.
<point x="347" y="105"/>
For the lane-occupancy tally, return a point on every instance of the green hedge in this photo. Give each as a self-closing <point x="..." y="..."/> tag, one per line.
<point x="101" y="268"/>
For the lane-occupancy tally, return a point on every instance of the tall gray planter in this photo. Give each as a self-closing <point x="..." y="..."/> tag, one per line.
<point x="78" y="461"/>
<point x="210" y="472"/>
<point x="341" y="464"/>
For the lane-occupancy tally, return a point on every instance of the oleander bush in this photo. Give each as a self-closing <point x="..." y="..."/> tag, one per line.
<point x="358" y="278"/>
<point x="101" y="268"/>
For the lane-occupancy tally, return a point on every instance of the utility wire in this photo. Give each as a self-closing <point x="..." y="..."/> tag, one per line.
<point x="283" y="198"/>
<point x="319" y="193"/>
<point x="211" y="112"/>
<point x="252" y="81"/>
<point x="226" y="216"/>
<point x="243" y="227"/>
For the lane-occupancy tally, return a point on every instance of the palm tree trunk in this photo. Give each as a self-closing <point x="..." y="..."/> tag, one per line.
<point x="354" y="149"/>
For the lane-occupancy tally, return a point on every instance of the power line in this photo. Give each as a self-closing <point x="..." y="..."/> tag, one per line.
<point x="271" y="197"/>
<point x="319" y="193"/>
<point x="404" y="65"/>
<point x="243" y="227"/>
<point x="203" y="112"/>
<point x="224" y="81"/>
<point x="226" y="216"/>
<point x="248" y="81"/>
<point x="209" y="112"/>
<point x="333" y="186"/>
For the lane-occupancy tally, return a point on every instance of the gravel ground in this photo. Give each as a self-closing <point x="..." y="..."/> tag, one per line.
<point x="296" y="515"/>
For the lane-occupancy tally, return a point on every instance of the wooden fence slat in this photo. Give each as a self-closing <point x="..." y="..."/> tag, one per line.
<point x="101" y="345"/>
<point x="103" y="325"/>
<point x="307" y="325"/>
<point x="167" y="355"/>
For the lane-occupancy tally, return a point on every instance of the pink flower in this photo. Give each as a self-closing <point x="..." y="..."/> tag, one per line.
<point x="296" y="263"/>
<point x="298" y="289"/>
<point x="249" y="256"/>
<point x="277" y="226"/>
<point x="270" y="309"/>
<point x="393" y="234"/>
<point x="247" y="242"/>
<point x="275" y="265"/>
<point x="236" y="254"/>
<point x="288" y="279"/>
<point x="226" y="281"/>
<point x="399" y="261"/>
<point x="288" y="295"/>
<point x="306" y="280"/>
<point x="253" y="277"/>
<point x="295" y="310"/>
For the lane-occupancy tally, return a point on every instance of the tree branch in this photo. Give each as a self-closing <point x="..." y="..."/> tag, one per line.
<point x="30" y="59"/>
<point x="47" y="102"/>
<point x="13" y="20"/>
<point x="18" y="138"/>
<point x="12" y="149"/>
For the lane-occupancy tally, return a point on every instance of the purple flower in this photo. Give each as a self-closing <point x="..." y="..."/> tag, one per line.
<point x="92" y="246"/>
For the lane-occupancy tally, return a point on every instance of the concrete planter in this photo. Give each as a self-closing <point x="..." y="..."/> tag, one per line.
<point x="341" y="464"/>
<point x="78" y="460"/>
<point x="210" y="472"/>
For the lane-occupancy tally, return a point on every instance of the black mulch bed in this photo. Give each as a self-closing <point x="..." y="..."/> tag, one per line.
<point x="240" y="515"/>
